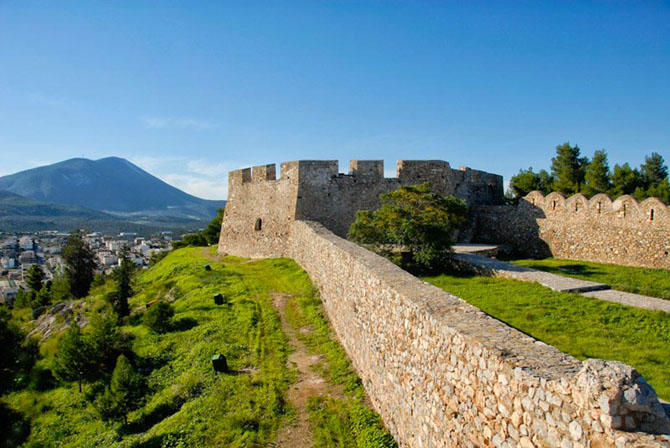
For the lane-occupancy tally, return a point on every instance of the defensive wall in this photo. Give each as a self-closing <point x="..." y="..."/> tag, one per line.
<point x="261" y="205"/>
<point x="439" y="371"/>
<point x="624" y="231"/>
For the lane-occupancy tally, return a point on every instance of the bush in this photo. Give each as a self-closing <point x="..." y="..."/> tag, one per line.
<point x="414" y="227"/>
<point x="159" y="317"/>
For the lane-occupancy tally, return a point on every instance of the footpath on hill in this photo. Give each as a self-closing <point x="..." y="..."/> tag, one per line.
<point x="298" y="433"/>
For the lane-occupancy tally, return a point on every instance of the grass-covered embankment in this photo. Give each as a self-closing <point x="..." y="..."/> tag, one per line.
<point x="336" y="422"/>
<point x="185" y="403"/>
<point x="645" y="281"/>
<point x="578" y="325"/>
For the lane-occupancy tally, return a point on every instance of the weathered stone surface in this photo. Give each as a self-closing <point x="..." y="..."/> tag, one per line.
<point x="623" y="231"/>
<point x="420" y="350"/>
<point x="439" y="371"/>
<point x="261" y="206"/>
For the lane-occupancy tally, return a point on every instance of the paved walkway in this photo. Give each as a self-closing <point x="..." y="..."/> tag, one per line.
<point x="497" y="268"/>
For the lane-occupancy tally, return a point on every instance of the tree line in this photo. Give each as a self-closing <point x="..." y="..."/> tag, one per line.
<point x="572" y="173"/>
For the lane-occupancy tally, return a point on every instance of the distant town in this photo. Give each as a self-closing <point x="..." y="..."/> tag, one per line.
<point x="19" y="251"/>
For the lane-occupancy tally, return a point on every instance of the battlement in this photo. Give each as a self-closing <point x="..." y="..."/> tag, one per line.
<point x="651" y="211"/>
<point x="407" y="172"/>
<point x="260" y="198"/>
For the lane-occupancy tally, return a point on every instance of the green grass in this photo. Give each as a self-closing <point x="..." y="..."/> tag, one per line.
<point x="186" y="404"/>
<point x="649" y="282"/>
<point x="578" y="325"/>
<point x="336" y="422"/>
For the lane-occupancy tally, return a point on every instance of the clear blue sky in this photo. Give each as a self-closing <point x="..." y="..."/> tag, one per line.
<point x="190" y="89"/>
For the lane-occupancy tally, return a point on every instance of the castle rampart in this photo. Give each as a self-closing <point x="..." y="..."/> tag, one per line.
<point x="624" y="231"/>
<point x="443" y="374"/>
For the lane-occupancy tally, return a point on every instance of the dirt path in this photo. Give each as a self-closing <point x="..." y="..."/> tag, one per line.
<point x="298" y="432"/>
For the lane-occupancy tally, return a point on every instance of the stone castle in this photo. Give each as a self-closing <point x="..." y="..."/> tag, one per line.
<point x="439" y="371"/>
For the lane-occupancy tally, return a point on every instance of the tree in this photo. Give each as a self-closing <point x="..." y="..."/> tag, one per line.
<point x="413" y="219"/>
<point x="653" y="171"/>
<point x="79" y="264"/>
<point x="75" y="359"/>
<point x="123" y="275"/>
<point x="597" y="178"/>
<point x="192" y="239"/>
<point x="213" y="229"/>
<point x="124" y="393"/>
<point x="43" y="297"/>
<point x="527" y="181"/>
<point x="625" y="180"/>
<point x="567" y="169"/>
<point x="10" y="351"/>
<point x="159" y="317"/>
<point x="35" y="278"/>
<point x="661" y="191"/>
<point x="106" y="339"/>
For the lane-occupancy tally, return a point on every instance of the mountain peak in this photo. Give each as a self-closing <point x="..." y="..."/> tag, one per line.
<point x="110" y="184"/>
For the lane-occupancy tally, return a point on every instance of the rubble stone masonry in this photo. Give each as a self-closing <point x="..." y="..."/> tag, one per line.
<point x="440" y="372"/>
<point x="443" y="374"/>
<point x="623" y="231"/>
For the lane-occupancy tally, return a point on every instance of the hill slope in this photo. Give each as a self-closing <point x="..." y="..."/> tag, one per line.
<point x="111" y="185"/>
<point x="184" y="402"/>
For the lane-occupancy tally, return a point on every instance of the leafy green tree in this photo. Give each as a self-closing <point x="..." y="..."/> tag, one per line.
<point x="653" y="171"/>
<point x="75" y="358"/>
<point x="123" y="276"/>
<point x="44" y="297"/>
<point x="10" y="351"/>
<point x="80" y="264"/>
<point x="192" y="239"/>
<point x="567" y="169"/>
<point x="60" y="289"/>
<point x="415" y="219"/>
<point x="159" y="317"/>
<point x="661" y="191"/>
<point x="625" y="180"/>
<point x="106" y="339"/>
<point x="597" y="178"/>
<point x="527" y="181"/>
<point x="213" y="229"/>
<point x="35" y="278"/>
<point x="124" y="393"/>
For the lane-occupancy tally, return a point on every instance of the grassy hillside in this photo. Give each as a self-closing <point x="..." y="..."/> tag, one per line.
<point x="186" y="403"/>
<point x="578" y="325"/>
<point x="649" y="282"/>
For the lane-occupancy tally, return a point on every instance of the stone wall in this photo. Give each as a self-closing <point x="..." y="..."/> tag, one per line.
<point x="623" y="231"/>
<point x="314" y="190"/>
<point x="442" y="373"/>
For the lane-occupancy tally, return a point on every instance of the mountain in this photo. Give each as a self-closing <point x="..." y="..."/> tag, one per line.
<point x="20" y="214"/>
<point x="111" y="185"/>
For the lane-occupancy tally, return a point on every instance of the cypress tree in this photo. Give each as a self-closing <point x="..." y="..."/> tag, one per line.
<point x="597" y="178"/>
<point x="123" y="275"/>
<point x="79" y="264"/>
<point x="74" y="359"/>
<point x="567" y="169"/>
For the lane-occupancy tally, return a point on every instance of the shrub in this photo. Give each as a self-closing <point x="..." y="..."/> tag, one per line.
<point x="414" y="222"/>
<point x="159" y="317"/>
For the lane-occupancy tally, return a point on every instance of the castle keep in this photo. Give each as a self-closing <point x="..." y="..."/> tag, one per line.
<point x="440" y="372"/>
<point x="261" y="206"/>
